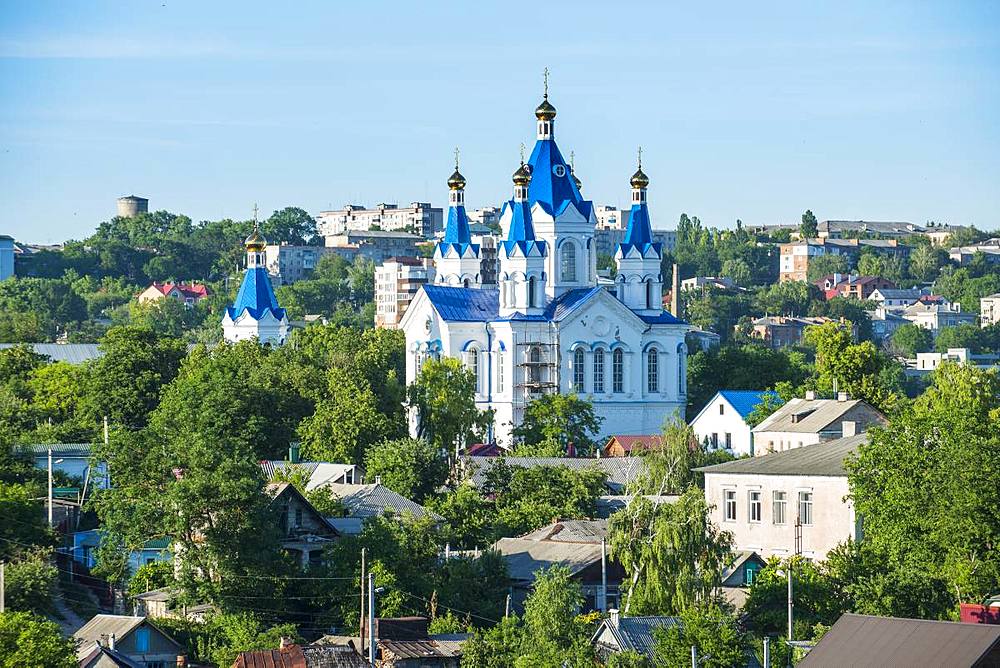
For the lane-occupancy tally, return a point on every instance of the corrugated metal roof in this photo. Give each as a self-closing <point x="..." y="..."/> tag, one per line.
<point x="464" y="304"/>
<point x="375" y="500"/>
<point x="286" y="657"/>
<point x="620" y="471"/>
<point x="812" y="416"/>
<point x="419" y="649"/>
<point x="58" y="449"/>
<point x="571" y="531"/>
<point x="821" y="459"/>
<point x="102" y="626"/>
<point x="890" y="642"/>
<point x="524" y="557"/>
<point x="74" y="353"/>
<point x="636" y="633"/>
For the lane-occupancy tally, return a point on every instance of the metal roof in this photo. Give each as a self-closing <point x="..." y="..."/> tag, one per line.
<point x="821" y="459"/>
<point x="571" y="531"/>
<point x="256" y="296"/>
<point x="812" y="416"/>
<point x="636" y="633"/>
<point x="375" y="500"/>
<point x="58" y="449"/>
<point x="102" y="626"/>
<point x="420" y="649"/>
<point x="619" y="471"/>
<point x="464" y="304"/>
<point x="890" y="642"/>
<point x="524" y="557"/>
<point x="74" y="353"/>
<point x="744" y="401"/>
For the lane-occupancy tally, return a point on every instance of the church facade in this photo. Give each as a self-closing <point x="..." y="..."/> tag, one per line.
<point x="548" y="326"/>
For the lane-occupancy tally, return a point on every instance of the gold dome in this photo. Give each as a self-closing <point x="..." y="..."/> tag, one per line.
<point x="522" y="176"/>
<point x="256" y="240"/>
<point x="639" y="179"/>
<point x="456" y="181"/>
<point x="545" y="111"/>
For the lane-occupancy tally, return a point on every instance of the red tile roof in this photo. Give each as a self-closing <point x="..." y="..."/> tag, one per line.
<point x="194" y="291"/>
<point x="637" y="441"/>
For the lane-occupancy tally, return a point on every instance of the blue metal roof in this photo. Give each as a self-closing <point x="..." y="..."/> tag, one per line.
<point x="552" y="191"/>
<point x="255" y="296"/>
<point x="639" y="233"/>
<point x="522" y="231"/>
<point x="661" y="318"/>
<point x="464" y="304"/>
<point x="744" y="401"/>
<point x="456" y="230"/>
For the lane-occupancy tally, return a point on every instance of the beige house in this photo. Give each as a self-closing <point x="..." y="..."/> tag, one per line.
<point x="759" y="500"/>
<point x="189" y="294"/>
<point x="808" y="421"/>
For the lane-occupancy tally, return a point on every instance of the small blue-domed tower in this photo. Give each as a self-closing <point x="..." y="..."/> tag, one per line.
<point x="639" y="284"/>
<point x="255" y="314"/>
<point x="456" y="258"/>
<point x="522" y="256"/>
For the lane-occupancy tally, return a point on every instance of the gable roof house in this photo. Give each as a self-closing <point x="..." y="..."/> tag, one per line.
<point x="759" y="499"/>
<point x="618" y="634"/>
<point x="372" y="500"/>
<point x="722" y="423"/>
<point x="575" y="544"/>
<point x="305" y="532"/>
<point x="807" y="421"/>
<point x="135" y="638"/>
<point x="189" y="295"/>
<point x="625" y="445"/>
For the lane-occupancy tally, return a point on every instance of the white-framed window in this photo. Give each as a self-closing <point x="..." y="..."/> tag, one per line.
<point x="753" y="503"/>
<point x="729" y="441"/>
<point x="729" y="505"/>
<point x="578" y="370"/>
<point x="472" y="364"/>
<point x="806" y="507"/>
<point x="499" y="372"/>
<point x="599" y="371"/>
<point x="653" y="370"/>
<point x="535" y="366"/>
<point x="618" y="371"/>
<point x="722" y="409"/>
<point x="779" y="503"/>
<point x="567" y="260"/>
<point x="682" y="369"/>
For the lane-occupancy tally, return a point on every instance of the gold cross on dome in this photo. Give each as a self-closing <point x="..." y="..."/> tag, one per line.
<point x="522" y="153"/>
<point x="456" y="158"/>
<point x="255" y="212"/>
<point x="640" y="157"/>
<point x="545" y="79"/>
<point x="572" y="160"/>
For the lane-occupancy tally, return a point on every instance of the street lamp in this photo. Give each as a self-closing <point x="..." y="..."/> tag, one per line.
<point x="371" y="617"/>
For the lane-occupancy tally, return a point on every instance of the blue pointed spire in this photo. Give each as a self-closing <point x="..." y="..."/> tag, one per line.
<point x="522" y="231"/>
<point x="639" y="233"/>
<point x="457" y="235"/>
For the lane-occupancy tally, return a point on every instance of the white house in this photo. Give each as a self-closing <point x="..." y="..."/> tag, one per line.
<point x="722" y="422"/>
<point x="759" y="499"/>
<point x="549" y="326"/>
<point x="807" y="421"/>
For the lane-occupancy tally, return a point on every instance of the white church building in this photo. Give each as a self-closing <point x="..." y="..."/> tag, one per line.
<point x="255" y="314"/>
<point x="548" y="326"/>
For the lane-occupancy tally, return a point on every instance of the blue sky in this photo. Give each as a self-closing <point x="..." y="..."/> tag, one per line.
<point x="754" y="111"/>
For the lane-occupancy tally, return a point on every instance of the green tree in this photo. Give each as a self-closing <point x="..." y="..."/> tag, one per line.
<point x="858" y="369"/>
<point x="31" y="581"/>
<point x="785" y="298"/>
<point x="738" y="270"/>
<point x="222" y="636"/>
<point x="816" y="598"/>
<point x="562" y="419"/>
<point x="290" y="225"/>
<point x="30" y="640"/>
<point x="926" y="485"/>
<point x="714" y="631"/>
<point x="959" y="336"/>
<point x="672" y="554"/>
<point x="870" y="264"/>
<point x="408" y="466"/>
<point x="444" y="397"/>
<point x="470" y="517"/>
<point x="154" y="575"/>
<point x="24" y="517"/>
<point x="362" y="280"/>
<point x="824" y="265"/>
<point x="911" y="339"/>
<point x="553" y="636"/>
<point x="809" y="228"/>
<point x="924" y="263"/>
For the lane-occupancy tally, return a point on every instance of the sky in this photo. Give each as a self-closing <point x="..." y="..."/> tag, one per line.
<point x="751" y="111"/>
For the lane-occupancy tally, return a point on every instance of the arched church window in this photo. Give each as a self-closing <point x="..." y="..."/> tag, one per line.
<point x="535" y="365"/>
<point x="599" y="371"/>
<point x="568" y="261"/>
<point x="465" y="283"/>
<point x="531" y="292"/>
<point x="618" y="371"/>
<point x="472" y="364"/>
<point x="682" y="369"/>
<point x="650" y="297"/>
<point x="578" y="369"/>
<point x="653" y="370"/>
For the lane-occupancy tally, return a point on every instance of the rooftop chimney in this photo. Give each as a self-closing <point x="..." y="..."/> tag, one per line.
<point x="675" y="292"/>
<point x="111" y="641"/>
<point x="842" y="396"/>
<point x="613" y="612"/>
<point x="285" y="642"/>
<point x="182" y="661"/>
<point x="810" y="395"/>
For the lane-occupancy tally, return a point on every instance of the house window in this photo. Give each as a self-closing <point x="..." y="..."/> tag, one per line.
<point x="754" y="503"/>
<point x="653" y="370"/>
<point x="749" y="575"/>
<point x="722" y="409"/>
<point x="472" y="364"/>
<point x="142" y="640"/>
<point x="730" y="505"/>
<point x="729" y="441"/>
<point x="714" y="441"/>
<point x="778" y="502"/>
<point x="598" y="371"/>
<point x="618" y="371"/>
<point x="650" y="297"/>
<point x="578" y="363"/>
<point x="499" y="372"/>
<point x="806" y="508"/>
<point x="568" y="262"/>
<point x="298" y="517"/>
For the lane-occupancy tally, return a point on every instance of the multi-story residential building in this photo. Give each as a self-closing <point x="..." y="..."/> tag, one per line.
<point x="940" y="234"/>
<point x="376" y="245"/>
<point x="849" y="285"/>
<point x="989" y="310"/>
<point x="397" y="280"/>
<point x="721" y="424"/>
<point x="838" y="229"/>
<point x="489" y="263"/>
<point x="610" y="217"/>
<point x="6" y="256"/>
<point x="486" y="218"/>
<point x="807" y="421"/>
<point x="418" y="218"/>
<point x="927" y="362"/>
<point x="287" y="263"/>
<point x="701" y="282"/>
<point x="765" y="501"/>
<point x="780" y="331"/>
<point x="937" y="314"/>
<point x="965" y="254"/>
<point x="795" y="256"/>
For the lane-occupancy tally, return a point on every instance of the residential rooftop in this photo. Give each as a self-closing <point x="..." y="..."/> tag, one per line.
<point x="821" y="459"/>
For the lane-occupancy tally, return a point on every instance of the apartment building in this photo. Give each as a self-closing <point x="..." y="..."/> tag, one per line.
<point x="795" y="256"/>
<point x="288" y="263"/>
<point x="989" y="310"/>
<point x="376" y="245"/>
<point x="418" y="218"/>
<point x="396" y="282"/>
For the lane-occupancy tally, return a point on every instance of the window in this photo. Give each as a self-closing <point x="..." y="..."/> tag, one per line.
<point x="729" y="441"/>
<point x="754" y="503"/>
<point x="531" y="292"/>
<point x="714" y="441"/>
<point x="778" y="503"/>
<point x="142" y="640"/>
<point x="806" y="508"/>
<point x="749" y="575"/>
<point x="499" y="372"/>
<point x="598" y="371"/>
<point x="722" y="409"/>
<point x="618" y="371"/>
<point x="650" y="295"/>
<point x="653" y="370"/>
<point x="578" y="369"/>
<point x="298" y="517"/>
<point x="472" y="364"/>
<point x="567" y="265"/>
<point x="730" y="505"/>
<point x="535" y="366"/>
<point x="682" y="369"/>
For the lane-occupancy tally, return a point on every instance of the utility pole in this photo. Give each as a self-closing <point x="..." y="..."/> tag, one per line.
<point x="371" y="619"/>
<point x="361" y="630"/>
<point x="50" y="488"/>
<point x="767" y="651"/>
<point x="694" y="656"/>
<point x="3" y="591"/>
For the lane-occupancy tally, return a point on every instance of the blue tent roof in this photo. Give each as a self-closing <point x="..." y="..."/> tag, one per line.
<point x="522" y="230"/>
<point x="456" y="230"/>
<point x="255" y="296"/>
<point x="552" y="191"/>
<point x="639" y="233"/>
<point x="744" y="401"/>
